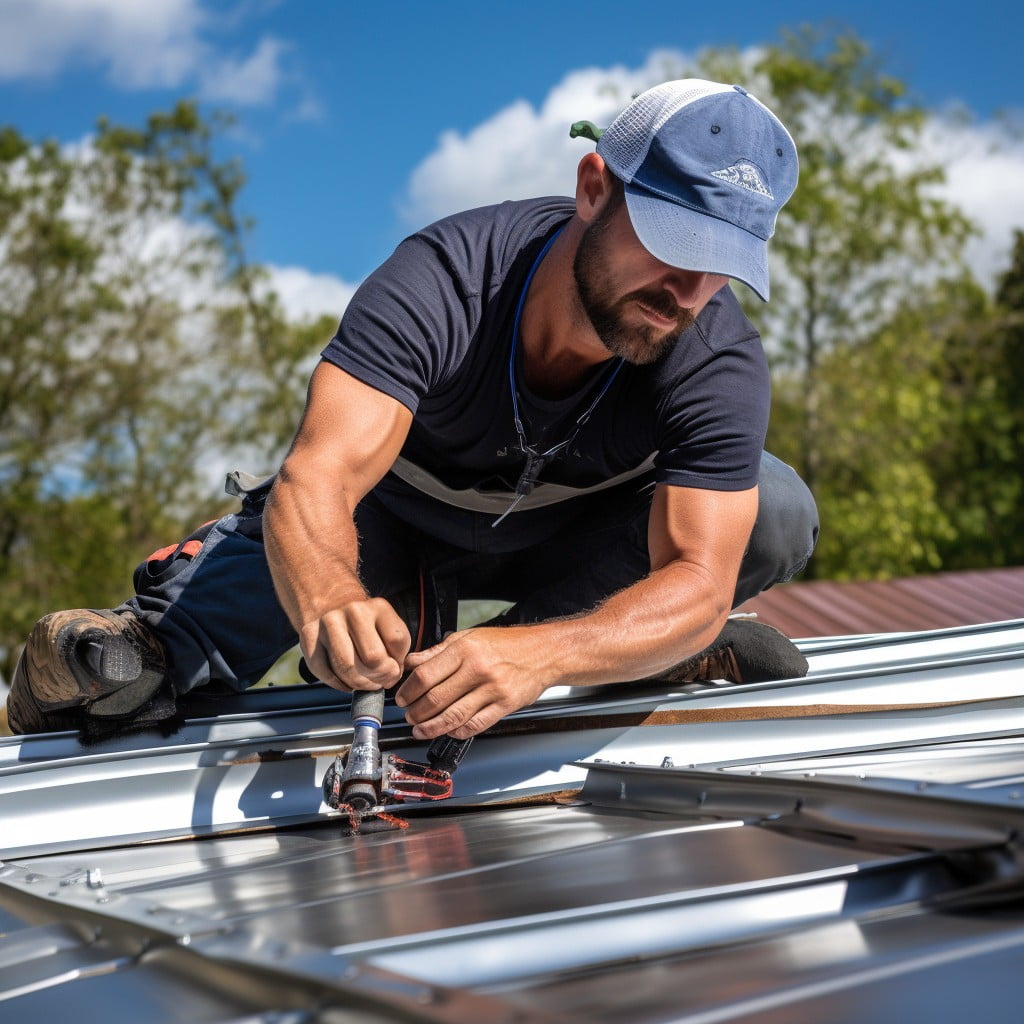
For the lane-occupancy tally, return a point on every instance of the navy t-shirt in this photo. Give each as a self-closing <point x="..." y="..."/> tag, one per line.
<point x="432" y="327"/>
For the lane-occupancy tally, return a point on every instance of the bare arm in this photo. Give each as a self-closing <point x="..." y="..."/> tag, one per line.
<point x="696" y="540"/>
<point x="349" y="437"/>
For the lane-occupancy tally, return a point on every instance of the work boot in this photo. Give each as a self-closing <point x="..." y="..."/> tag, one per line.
<point x="746" y="651"/>
<point x="99" y="672"/>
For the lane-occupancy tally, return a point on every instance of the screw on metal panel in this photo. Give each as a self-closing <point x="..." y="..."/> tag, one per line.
<point x="30" y="878"/>
<point x="102" y="899"/>
<point x="1015" y="795"/>
<point x="667" y="762"/>
<point x="921" y="786"/>
<point x="809" y="775"/>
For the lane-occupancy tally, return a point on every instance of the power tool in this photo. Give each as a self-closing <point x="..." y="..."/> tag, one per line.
<point x="367" y="785"/>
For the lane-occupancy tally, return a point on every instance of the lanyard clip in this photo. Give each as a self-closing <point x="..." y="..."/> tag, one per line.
<point x="526" y="482"/>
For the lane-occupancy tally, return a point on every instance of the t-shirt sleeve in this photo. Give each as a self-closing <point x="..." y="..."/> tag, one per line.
<point x="406" y="323"/>
<point x="714" y="439"/>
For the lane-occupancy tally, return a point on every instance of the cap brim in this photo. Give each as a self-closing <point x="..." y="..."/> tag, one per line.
<point x="683" y="238"/>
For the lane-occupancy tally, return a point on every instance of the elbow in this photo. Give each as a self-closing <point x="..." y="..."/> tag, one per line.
<point x="707" y="596"/>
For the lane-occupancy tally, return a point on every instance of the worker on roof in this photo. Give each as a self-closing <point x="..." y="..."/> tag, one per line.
<point x="557" y="403"/>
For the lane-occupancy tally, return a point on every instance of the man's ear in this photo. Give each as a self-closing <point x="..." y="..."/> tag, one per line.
<point x="593" y="187"/>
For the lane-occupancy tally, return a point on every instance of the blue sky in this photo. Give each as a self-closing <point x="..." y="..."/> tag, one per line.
<point x="356" y="120"/>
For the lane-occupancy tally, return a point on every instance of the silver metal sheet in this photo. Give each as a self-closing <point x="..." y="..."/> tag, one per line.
<point x="263" y="769"/>
<point x="845" y="849"/>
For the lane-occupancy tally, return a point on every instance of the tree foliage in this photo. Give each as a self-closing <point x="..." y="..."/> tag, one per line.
<point x="142" y="353"/>
<point x="979" y="460"/>
<point x="891" y="366"/>
<point x="138" y="349"/>
<point x="865" y="232"/>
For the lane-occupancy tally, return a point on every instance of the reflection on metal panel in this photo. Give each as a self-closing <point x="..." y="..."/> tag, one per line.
<point x="262" y="769"/>
<point x="846" y="847"/>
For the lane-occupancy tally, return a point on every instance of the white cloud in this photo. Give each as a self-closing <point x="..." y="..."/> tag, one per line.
<point x="161" y="238"/>
<point x="524" y="151"/>
<point x="305" y="295"/>
<point x="985" y="178"/>
<point x="253" y="80"/>
<point x="150" y="44"/>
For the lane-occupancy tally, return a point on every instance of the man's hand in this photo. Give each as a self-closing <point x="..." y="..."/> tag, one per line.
<point x="360" y="646"/>
<point x="468" y="682"/>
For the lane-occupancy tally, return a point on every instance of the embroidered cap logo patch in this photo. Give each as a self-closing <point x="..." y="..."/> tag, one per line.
<point x="745" y="175"/>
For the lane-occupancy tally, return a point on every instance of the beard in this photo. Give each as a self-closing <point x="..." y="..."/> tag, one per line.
<point x="638" y="344"/>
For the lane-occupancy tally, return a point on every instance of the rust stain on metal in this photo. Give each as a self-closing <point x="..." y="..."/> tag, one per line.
<point x="630" y="719"/>
<point x="696" y="716"/>
<point x="826" y="608"/>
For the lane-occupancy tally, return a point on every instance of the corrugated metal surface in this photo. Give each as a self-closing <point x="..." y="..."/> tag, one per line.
<point x="840" y="848"/>
<point x="659" y="894"/>
<point x="260" y="760"/>
<point x="822" y="608"/>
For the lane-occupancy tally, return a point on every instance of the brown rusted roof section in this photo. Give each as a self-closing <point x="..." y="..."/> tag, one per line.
<point x="821" y="608"/>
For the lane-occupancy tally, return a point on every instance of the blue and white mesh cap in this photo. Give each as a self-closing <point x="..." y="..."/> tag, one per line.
<point x="707" y="168"/>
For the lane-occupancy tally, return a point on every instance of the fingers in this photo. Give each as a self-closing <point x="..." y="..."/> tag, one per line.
<point x="473" y="721"/>
<point x="454" y="707"/>
<point x="361" y="646"/>
<point x="460" y="688"/>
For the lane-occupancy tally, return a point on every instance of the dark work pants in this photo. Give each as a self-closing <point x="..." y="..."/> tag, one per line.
<point x="218" y="616"/>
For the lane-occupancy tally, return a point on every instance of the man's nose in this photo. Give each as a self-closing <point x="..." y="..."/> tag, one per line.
<point x="685" y="286"/>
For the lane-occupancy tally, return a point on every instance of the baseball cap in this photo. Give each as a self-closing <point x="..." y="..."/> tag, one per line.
<point x="706" y="167"/>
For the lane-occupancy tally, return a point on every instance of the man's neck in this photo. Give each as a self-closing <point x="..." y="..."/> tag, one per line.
<point x="558" y="342"/>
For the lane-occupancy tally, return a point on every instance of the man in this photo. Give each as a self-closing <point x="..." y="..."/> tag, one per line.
<point x="557" y="403"/>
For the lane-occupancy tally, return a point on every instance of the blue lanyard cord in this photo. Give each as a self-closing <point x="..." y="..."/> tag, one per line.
<point x="535" y="461"/>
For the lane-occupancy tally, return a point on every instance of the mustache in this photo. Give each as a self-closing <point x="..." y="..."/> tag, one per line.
<point x="659" y="302"/>
<point x="663" y="304"/>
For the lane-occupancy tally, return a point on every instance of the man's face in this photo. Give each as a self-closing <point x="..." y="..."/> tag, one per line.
<point x="637" y="305"/>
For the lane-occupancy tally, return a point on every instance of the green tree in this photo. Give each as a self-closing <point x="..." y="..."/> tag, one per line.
<point x="887" y="412"/>
<point x="979" y="462"/>
<point x="855" y="262"/>
<point x="864" y="235"/>
<point x="138" y="347"/>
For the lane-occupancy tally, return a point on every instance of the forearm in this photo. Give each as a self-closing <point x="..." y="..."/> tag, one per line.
<point x="312" y="548"/>
<point x="473" y="678"/>
<point x="650" y="626"/>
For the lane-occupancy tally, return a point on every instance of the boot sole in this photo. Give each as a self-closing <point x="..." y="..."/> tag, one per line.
<point x="58" y="672"/>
